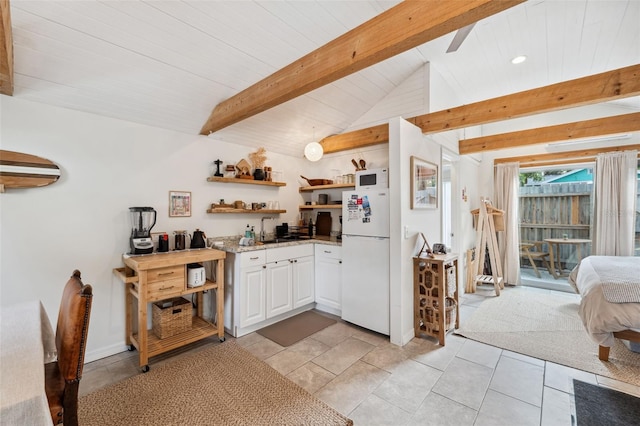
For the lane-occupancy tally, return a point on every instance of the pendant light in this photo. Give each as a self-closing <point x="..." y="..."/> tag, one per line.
<point x="313" y="151"/>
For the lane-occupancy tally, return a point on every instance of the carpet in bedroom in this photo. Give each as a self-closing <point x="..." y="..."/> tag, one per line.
<point x="546" y="326"/>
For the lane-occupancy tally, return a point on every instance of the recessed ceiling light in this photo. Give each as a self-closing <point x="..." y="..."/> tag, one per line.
<point x="519" y="59"/>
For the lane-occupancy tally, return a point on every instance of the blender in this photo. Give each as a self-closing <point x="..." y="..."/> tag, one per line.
<point x="142" y="220"/>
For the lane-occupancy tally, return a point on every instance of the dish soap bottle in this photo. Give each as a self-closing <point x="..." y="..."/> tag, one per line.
<point x="247" y="232"/>
<point x="253" y="233"/>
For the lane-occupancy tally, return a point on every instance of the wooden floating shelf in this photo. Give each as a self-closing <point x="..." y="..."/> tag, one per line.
<point x="332" y="186"/>
<point x="321" y="206"/>
<point x="244" y="181"/>
<point x="261" y="211"/>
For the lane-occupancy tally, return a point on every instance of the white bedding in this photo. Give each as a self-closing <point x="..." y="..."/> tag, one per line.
<point x="600" y="317"/>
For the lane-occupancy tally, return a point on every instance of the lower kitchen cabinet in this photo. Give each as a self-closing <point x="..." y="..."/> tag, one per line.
<point x="265" y="286"/>
<point x="328" y="278"/>
<point x="303" y="281"/>
<point x="252" y="295"/>
<point x="279" y="287"/>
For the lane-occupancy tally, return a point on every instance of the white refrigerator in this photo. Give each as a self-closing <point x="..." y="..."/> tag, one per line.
<point x="365" y="259"/>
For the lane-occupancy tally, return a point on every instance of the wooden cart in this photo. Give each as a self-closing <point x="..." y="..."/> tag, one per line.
<point x="151" y="278"/>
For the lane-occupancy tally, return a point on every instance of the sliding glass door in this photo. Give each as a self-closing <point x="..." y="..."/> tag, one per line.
<point x="555" y="223"/>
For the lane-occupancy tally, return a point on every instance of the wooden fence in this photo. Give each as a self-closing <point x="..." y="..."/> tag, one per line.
<point x="556" y="211"/>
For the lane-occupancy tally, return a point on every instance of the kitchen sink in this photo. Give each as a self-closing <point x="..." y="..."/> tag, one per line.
<point x="273" y="241"/>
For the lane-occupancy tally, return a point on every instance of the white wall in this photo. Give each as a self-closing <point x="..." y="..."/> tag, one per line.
<point x="406" y="140"/>
<point x="82" y="221"/>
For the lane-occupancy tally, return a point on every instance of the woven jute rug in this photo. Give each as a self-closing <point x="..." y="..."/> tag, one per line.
<point x="220" y="385"/>
<point x="547" y="326"/>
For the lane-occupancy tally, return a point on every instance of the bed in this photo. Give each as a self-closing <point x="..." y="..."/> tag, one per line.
<point x="610" y="305"/>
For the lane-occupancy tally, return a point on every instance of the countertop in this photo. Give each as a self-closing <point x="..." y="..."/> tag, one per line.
<point x="235" y="247"/>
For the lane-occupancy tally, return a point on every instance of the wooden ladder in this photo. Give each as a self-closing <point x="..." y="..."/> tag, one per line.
<point x="486" y="237"/>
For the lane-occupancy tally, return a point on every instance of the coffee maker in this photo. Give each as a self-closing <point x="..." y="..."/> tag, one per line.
<point x="142" y="220"/>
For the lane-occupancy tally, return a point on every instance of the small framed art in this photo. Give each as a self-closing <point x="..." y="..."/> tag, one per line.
<point x="424" y="184"/>
<point x="179" y="203"/>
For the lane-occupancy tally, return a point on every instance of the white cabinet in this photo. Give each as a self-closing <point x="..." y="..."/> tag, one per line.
<point x="328" y="278"/>
<point x="303" y="281"/>
<point x="265" y="286"/>
<point x="279" y="287"/>
<point x="252" y="295"/>
<point x="290" y="278"/>
<point x="245" y="290"/>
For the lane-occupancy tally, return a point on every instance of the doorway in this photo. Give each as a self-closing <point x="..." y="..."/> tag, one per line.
<point x="449" y="227"/>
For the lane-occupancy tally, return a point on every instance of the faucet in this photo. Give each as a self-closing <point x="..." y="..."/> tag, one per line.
<point x="262" y="233"/>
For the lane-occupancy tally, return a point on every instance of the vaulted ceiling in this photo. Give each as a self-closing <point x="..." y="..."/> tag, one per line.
<point x="169" y="63"/>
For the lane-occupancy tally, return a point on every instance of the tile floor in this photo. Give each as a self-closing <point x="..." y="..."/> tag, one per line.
<point x="374" y="382"/>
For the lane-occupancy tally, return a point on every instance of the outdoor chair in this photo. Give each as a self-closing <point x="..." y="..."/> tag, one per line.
<point x="533" y="251"/>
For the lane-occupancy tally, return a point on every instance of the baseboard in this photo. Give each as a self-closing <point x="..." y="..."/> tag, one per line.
<point x="328" y="309"/>
<point x="104" y="352"/>
<point x="406" y="337"/>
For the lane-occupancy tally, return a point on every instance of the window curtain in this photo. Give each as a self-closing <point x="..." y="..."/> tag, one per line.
<point x="506" y="187"/>
<point x="615" y="203"/>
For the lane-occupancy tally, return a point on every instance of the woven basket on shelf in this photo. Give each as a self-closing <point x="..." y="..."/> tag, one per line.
<point x="450" y="313"/>
<point x="171" y="317"/>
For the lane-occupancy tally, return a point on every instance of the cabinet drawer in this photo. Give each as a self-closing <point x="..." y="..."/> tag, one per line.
<point x="252" y="258"/>
<point x="163" y="289"/>
<point x="327" y="251"/>
<point x="165" y="274"/>
<point x="277" y="254"/>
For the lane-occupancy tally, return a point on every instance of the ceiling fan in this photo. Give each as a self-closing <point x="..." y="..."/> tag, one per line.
<point x="460" y="36"/>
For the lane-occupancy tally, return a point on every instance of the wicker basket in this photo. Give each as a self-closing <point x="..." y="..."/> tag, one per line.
<point x="450" y="313"/>
<point x="171" y="317"/>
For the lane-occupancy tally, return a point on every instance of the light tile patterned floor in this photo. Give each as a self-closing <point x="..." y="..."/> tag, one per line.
<point x="374" y="382"/>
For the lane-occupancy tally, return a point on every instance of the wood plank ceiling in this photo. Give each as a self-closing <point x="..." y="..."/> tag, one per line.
<point x="403" y="27"/>
<point x="166" y="64"/>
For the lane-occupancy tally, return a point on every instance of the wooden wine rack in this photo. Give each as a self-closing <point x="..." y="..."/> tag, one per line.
<point x="436" y="308"/>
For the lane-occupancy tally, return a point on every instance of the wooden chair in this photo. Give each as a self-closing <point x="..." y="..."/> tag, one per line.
<point x="62" y="377"/>
<point x="533" y="251"/>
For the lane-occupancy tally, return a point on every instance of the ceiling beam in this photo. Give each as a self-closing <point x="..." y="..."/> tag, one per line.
<point x="569" y="131"/>
<point x="6" y="50"/>
<point x="402" y="27"/>
<point x="563" y="158"/>
<point x="606" y="86"/>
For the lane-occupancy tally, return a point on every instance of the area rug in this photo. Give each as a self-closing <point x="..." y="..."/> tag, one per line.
<point x="220" y="385"/>
<point x="296" y="328"/>
<point x="597" y="406"/>
<point x="546" y="326"/>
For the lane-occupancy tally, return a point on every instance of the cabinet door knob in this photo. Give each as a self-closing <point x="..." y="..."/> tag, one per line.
<point x="264" y="266"/>
<point x="340" y="261"/>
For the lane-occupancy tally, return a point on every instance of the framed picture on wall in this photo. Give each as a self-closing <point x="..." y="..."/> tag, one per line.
<point x="179" y="203"/>
<point x="424" y="184"/>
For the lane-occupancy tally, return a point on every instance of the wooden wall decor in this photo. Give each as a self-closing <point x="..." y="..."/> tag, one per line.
<point x="19" y="170"/>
